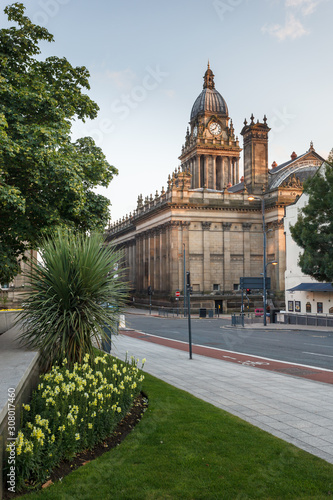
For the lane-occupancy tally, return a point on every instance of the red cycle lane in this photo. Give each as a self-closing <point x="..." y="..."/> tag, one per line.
<point x="309" y="372"/>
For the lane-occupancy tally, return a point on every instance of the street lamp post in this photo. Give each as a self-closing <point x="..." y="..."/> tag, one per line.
<point x="185" y="292"/>
<point x="251" y="198"/>
<point x="264" y="258"/>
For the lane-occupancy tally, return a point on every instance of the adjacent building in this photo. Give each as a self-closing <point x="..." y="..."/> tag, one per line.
<point x="304" y="295"/>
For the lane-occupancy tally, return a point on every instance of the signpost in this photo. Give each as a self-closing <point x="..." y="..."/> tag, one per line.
<point x="188" y="290"/>
<point x="150" y="293"/>
<point x="254" y="283"/>
<point x="177" y="299"/>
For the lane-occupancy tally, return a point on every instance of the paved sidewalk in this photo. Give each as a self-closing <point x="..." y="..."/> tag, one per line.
<point x="296" y="410"/>
<point x="16" y="363"/>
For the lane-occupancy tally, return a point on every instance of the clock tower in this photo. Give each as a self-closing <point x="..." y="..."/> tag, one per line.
<point x="211" y="151"/>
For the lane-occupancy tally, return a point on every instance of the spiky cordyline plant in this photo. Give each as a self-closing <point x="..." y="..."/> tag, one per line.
<point x="68" y="290"/>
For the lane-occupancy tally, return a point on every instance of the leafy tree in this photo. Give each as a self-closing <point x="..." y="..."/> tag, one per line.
<point x="46" y="180"/>
<point x="313" y="231"/>
<point x="65" y="307"/>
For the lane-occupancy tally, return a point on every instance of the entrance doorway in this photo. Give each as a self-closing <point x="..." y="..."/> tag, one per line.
<point x="218" y="306"/>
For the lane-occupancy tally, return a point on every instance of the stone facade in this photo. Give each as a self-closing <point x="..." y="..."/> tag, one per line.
<point x="205" y="209"/>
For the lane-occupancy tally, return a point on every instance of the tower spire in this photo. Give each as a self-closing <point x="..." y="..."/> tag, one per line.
<point x="209" y="78"/>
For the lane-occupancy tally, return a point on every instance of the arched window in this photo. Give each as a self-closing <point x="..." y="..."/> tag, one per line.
<point x="308" y="307"/>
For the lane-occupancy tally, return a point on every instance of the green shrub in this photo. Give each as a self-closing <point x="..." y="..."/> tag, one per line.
<point x="65" y="307"/>
<point x="72" y="410"/>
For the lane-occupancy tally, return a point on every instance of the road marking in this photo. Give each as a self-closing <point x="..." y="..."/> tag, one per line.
<point x="319" y="345"/>
<point x="254" y="363"/>
<point x="316" y="354"/>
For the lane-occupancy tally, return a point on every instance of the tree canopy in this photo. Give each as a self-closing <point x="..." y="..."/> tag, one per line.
<point x="313" y="231"/>
<point x="47" y="181"/>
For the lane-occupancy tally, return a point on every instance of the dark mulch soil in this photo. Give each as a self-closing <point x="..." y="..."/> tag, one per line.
<point x="124" y="427"/>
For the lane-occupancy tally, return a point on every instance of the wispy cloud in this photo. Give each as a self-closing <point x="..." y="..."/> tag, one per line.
<point x="123" y="80"/>
<point x="293" y="27"/>
<point x="306" y="6"/>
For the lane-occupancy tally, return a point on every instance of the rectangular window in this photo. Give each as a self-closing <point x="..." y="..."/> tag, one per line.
<point x="290" y="305"/>
<point x="216" y="287"/>
<point x="297" y="306"/>
<point x="319" y="307"/>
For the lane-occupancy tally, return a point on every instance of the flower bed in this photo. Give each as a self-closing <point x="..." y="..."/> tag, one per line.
<point x="72" y="410"/>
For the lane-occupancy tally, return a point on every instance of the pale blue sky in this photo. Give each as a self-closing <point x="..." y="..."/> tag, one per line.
<point x="147" y="59"/>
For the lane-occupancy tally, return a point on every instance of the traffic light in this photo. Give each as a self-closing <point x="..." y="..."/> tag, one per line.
<point x="150" y="290"/>
<point x="188" y="279"/>
<point x="248" y="291"/>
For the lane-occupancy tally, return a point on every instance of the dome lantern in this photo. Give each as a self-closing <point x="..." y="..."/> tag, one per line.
<point x="210" y="100"/>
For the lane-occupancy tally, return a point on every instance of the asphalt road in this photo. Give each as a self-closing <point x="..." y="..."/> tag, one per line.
<point x="307" y="347"/>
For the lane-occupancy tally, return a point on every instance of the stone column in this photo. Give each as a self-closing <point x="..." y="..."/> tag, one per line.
<point x="185" y="241"/>
<point x="246" y="249"/>
<point x="173" y="231"/>
<point x="226" y="256"/>
<point x="162" y="260"/>
<point x="156" y="260"/>
<point x="230" y="170"/>
<point x="152" y="258"/>
<point x="206" y="280"/>
<point x="206" y="178"/>
<point x="166" y="252"/>
<point x="130" y="263"/>
<point x="134" y="276"/>
<point x="145" y="261"/>
<point x="198" y="174"/>
<point x="223" y="174"/>
<point x="194" y="173"/>
<point x="237" y="171"/>
<point x="139" y="263"/>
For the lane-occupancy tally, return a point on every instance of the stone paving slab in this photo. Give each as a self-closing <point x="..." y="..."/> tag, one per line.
<point x="283" y="405"/>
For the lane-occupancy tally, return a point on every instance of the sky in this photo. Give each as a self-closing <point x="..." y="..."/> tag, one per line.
<point x="147" y="59"/>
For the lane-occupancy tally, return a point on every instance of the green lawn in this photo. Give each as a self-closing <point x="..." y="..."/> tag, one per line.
<point x="184" y="448"/>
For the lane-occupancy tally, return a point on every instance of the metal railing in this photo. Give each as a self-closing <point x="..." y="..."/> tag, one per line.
<point x="202" y="312"/>
<point x="308" y="320"/>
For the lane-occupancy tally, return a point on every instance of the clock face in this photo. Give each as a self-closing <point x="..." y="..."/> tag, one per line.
<point x="215" y="128"/>
<point x="195" y="131"/>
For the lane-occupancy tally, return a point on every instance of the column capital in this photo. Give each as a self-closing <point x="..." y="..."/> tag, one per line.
<point x="206" y="225"/>
<point x="226" y="226"/>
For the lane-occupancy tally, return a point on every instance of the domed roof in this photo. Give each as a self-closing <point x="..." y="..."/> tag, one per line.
<point x="209" y="99"/>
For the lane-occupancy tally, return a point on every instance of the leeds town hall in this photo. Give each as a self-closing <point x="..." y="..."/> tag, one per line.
<point x="205" y="212"/>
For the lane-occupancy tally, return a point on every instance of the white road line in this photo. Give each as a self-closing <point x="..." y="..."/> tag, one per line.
<point x="316" y="354"/>
<point x="319" y="345"/>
